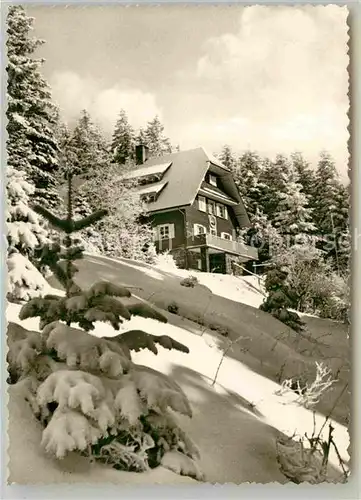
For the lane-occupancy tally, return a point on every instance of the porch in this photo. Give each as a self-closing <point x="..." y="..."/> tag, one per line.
<point x="209" y="253"/>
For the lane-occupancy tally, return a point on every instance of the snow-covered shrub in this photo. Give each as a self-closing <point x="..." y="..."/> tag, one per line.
<point x="125" y="232"/>
<point x="280" y="298"/>
<point x="190" y="281"/>
<point x="24" y="234"/>
<point x="327" y="296"/>
<point x="332" y="297"/>
<point x="165" y="261"/>
<point x="307" y="458"/>
<point x="308" y="395"/>
<point x="91" y="398"/>
<point x="24" y="280"/>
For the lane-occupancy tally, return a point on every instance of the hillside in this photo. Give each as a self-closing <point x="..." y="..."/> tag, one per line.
<point x="269" y="347"/>
<point x="236" y="420"/>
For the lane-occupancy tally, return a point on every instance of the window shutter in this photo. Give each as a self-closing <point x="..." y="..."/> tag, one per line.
<point x="155" y="233"/>
<point x="171" y="231"/>
<point x="226" y="213"/>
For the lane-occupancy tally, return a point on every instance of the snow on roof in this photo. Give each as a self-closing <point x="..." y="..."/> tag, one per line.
<point x="159" y="168"/>
<point x="152" y="189"/>
<point x="210" y="191"/>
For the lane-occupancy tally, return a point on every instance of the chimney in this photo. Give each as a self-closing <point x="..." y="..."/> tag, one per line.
<point x="141" y="154"/>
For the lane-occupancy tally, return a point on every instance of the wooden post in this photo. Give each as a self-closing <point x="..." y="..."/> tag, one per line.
<point x="185" y="240"/>
<point x="205" y="259"/>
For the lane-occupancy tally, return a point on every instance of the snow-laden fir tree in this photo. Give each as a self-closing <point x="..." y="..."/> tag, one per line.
<point x="263" y="236"/>
<point x="87" y="147"/>
<point x="123" y="140"/>
<point x="248" y="179"/>
<point x="270" y="179"/>
<point x="86" y="390"/>
<point x="227" y="158"/>
<point x="24" y="234"/>
<point x="280" y="298"/>
<point x="331" y="205"/>
<point x="125" y="232"/>
<point x="326" y="193"/>
<point x="306" y="176"/>
<point x="31" y="144"/>
<point x="157" y="143"/>
<point x="293" y="217"/>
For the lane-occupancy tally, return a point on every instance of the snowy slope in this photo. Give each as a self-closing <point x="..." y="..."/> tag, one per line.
<point x="235" y="422"/>
<point x="244" y="289"/>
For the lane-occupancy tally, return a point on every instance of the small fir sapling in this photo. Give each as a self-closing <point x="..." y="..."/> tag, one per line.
<point x="279" y="299"/>
<point x="86" y="390"/>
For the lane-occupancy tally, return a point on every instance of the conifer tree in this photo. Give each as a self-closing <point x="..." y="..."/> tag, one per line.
<point x="306" y="175"/>
<point x="227" y="157"/>
<point x="86" y="391"/>
<point x="123" y="233"/>
<point x="263" y="236"/>
<point x="155" y="139"/>
<point x="293" y="218"/>
<point x="331" y="205"/>
<point x="123" y="140"/>
<point x="24" y="234"/>
<point x="280" y="298"/>
<point x="326" y="191"/>
<point x="31" y="144"/>
<point x="248" y="178"/>
<point x="272" y="184"/>
<point x="88" y="148"/>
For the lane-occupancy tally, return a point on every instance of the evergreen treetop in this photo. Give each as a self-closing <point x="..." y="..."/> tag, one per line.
<point x="32" y="116"/>
<point x="123" y="140"/>
<point x="155" y="139"/>
<point x="85" y="149"/>
<point x="294" y="217"/>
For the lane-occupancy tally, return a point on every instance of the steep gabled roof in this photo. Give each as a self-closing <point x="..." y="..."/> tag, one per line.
<point x="184" y="179"/>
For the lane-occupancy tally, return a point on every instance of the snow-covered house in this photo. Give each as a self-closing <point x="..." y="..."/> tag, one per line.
<point x="195" y="208"/>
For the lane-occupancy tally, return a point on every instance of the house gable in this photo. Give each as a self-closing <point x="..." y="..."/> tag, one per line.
<point x="178" y="179"/>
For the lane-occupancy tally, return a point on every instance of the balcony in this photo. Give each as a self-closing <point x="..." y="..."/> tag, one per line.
<point x="223" y="245"/>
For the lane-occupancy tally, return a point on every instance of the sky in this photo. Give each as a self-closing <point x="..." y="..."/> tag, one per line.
<point x="271" y="79"/>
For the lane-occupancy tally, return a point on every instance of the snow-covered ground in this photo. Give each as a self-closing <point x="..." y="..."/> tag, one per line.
<point x="277" y="412"/>
<point x="245" y="289"/>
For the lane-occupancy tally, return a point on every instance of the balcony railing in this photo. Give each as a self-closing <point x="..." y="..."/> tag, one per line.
<point x="208" y="240"/>
<point x="228" y="246"/>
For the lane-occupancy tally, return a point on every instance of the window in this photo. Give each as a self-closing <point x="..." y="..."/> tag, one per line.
<point x="213" y="180"/>
<point x="199" y="229"/>
<point x="211" y="208"/>
<point x="202" y="205"/>
<point x="164" y="232"/>
<point x="226" y="236"/>
<point x="221" y="211"/>
<point x="213" y="231"/>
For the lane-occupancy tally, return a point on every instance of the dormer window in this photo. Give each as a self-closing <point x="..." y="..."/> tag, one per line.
<point x="213" y="180"/>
